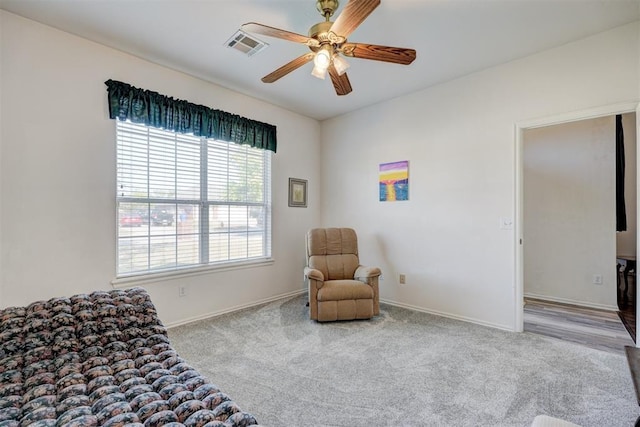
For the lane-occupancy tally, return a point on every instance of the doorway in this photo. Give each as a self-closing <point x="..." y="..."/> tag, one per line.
<point x="600" y="276"/>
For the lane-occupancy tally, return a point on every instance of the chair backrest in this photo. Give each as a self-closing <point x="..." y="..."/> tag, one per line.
<point x="333" y="251"/>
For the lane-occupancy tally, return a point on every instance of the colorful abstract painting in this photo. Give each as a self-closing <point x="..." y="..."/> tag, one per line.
<point x="394" y="181"/>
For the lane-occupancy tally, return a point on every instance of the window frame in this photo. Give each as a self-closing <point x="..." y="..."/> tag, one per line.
<point x="204" y="205"/>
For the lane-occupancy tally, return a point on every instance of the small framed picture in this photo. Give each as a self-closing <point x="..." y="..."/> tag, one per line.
<point x="298" y="193"/>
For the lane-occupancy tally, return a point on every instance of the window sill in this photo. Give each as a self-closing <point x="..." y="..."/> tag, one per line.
<point x="145" y="279"/>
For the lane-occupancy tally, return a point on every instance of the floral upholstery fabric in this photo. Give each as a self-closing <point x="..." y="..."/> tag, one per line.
<point x="101" y="359"/>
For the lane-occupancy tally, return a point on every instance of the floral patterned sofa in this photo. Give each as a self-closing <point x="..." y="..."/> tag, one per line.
<point x="101" y="359"/>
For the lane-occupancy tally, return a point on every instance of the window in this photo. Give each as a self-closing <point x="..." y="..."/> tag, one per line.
<point x="185" y="201"/>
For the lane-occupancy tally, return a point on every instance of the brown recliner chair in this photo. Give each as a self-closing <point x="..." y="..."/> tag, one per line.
<point x="339" y="287"/>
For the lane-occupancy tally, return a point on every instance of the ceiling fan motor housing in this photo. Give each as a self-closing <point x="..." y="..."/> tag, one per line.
<point x="320" y="31"/>
<point x="327" y="7"/>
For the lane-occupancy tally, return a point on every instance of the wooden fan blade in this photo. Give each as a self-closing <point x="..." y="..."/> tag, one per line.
<point x="397" y="55"/>
<point x="289" y="67"/>
<point x="265" y="30"/>
<point x="352" y="15"/>
<point x="340" y="82"/>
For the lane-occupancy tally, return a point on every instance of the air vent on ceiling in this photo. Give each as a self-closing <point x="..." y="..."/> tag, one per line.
<point x="245" y="43"/>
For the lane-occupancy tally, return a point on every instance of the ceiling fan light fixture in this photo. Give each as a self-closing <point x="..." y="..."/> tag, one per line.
<point x="321" y="62"/>
<point x="319" y="72"/>
<point x="322" y="58"/>
<point x="341" y="64"/>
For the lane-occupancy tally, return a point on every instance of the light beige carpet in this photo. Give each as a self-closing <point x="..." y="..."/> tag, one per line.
<point x="402" y="368"/>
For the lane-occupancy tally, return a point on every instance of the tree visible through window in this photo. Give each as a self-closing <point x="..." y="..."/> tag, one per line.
<point x="185" y="201"/>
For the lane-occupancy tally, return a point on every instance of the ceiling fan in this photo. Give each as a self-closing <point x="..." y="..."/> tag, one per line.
<point x="328" y="43"/>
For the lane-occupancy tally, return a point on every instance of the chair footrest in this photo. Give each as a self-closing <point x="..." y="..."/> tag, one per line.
<point x="337" y="290"/>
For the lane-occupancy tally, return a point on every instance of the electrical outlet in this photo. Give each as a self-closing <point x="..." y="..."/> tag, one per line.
<point x="182" y="291"/>
<point x="403" y="279"/>
<point x="597" y="279"/>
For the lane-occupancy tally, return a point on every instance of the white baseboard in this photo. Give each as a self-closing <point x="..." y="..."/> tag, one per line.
<point x="571" y="301"/>
<point x="396" y="304"/>
<point x="232" y="309"/>
<point x="448" y="315"/>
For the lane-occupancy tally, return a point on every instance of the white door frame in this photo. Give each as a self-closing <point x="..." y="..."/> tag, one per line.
<point x="519" y="128"/>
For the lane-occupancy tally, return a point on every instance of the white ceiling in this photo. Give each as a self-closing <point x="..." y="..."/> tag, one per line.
<point x="452" y="38"/>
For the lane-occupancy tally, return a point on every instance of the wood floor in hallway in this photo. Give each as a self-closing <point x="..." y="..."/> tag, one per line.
<point x="594" y="328"/>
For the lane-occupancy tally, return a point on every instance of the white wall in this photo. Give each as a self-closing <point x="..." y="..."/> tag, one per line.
<point x="570" y="212"/>
<point x="57" y="175"/>
<point x="459" y="139"/>
<point x="626" y="240"/>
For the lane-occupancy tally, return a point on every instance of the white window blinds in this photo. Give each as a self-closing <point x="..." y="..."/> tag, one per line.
<point x="185" y="201"/>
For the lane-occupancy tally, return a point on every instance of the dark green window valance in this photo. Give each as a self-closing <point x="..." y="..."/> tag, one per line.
<point x="153" y="109"/>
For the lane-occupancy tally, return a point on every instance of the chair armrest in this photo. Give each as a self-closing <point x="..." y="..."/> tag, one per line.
<point x="314" y="274"/>
<point x="364" y="272"/>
